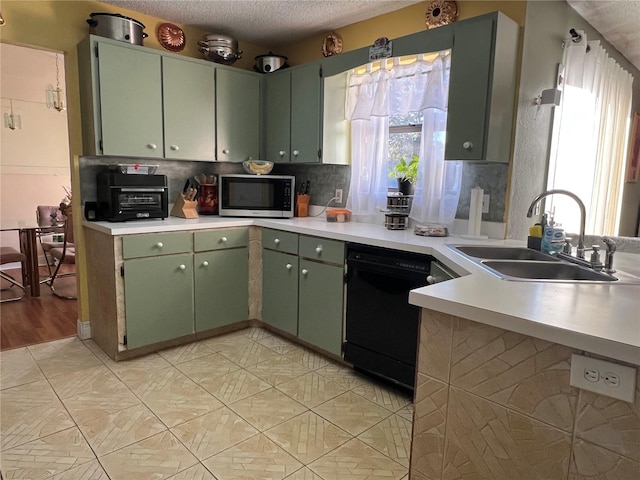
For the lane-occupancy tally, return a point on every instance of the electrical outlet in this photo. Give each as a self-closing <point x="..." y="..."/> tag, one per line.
<point x="603" y="377"/>
<point x="485" y="203"/>
<point x="338" y="195"/>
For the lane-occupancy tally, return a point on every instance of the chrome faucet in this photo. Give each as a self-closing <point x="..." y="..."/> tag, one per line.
<point x="583" y="214"/>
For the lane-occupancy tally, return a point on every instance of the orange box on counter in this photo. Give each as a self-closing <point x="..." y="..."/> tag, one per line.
<point x="339" y="215"/>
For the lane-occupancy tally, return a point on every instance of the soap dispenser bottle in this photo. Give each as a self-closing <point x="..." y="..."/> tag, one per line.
<point x="553" y="238"/>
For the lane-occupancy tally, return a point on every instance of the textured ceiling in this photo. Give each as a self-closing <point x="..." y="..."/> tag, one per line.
<point x="269" y="23"/>
<point x="618" y="21"/>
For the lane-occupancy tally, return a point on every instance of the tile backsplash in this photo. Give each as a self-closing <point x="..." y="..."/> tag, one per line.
<point x="324" y="179"/>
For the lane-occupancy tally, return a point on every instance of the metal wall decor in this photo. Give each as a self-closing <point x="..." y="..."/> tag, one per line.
<point x="441" y="12"/>
<point x="171" y="37"/>
<point x="332" y="45"/>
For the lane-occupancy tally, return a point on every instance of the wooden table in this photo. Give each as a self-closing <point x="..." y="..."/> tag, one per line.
<point x="27" y="230"/>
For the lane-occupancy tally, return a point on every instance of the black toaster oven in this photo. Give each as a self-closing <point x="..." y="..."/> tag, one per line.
<point x="124" y="196"/>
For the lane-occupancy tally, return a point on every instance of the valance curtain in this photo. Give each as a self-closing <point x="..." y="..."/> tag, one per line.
<point x="372" y="97"/>
<point x="589" y="140"/>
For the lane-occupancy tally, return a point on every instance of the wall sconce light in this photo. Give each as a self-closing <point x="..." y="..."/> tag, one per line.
<point x="55" y="96"/>
<point x="11" y="120"/>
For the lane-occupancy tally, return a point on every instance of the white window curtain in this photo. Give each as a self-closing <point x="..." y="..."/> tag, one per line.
<point x="421" y="86"/>
<point x="590" y="134"/>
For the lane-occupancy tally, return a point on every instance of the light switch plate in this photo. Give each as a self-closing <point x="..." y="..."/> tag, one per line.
<point x="603" y="377"/>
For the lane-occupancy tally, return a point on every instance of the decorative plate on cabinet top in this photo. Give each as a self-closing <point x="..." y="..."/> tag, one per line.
<point x="332" y="45"/>
<point x="171" y="37"/>
<point x="441" y="12"/>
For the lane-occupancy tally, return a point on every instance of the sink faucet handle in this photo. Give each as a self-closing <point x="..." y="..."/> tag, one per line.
<point x="567" y="246"/>
<point x="595" y="256"/>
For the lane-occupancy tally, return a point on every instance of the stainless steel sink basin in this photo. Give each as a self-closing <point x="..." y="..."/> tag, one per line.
<point x="504" y="253"/>
<point x="547" y="271"/>
<point x="527" y="265"/>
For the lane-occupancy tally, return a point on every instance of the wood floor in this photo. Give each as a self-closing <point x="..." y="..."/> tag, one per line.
<point x="35" y="320"/>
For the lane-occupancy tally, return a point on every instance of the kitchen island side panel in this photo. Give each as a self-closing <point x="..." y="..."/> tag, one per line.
<point x="494" y="404"/>
<point x="104" y="294"/>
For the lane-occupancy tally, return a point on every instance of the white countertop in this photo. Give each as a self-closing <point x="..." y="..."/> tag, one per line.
<point x="602" y="319"/>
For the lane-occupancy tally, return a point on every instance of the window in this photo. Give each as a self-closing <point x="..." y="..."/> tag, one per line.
<point x="405" y="134"/>
<point x="397" y="110"/>
<point x="590" y="131"/>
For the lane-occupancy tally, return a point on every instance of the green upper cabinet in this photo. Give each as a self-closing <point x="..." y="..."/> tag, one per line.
<point x="482" y="89"/>
<point x="130" y="101"/>
<point x="238" y="115"/>
<point x="138" y="102"/>
<point x="277" y="114"/>
<point x="189" y="109"/>
<point x="306" y="95"/>
<point x="293" y="113"/>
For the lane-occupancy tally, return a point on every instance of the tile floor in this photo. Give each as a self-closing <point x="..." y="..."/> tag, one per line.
<point x="248" y="405"/>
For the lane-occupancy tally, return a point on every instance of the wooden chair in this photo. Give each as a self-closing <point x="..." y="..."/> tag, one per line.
<point x="11" y="255"/>
<point x="65" y="255"/>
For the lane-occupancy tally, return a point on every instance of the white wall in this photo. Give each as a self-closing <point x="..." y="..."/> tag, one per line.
<point x="34" y="159"/>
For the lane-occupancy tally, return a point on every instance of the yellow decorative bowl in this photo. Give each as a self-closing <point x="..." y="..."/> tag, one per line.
<point x="257" y="167"/>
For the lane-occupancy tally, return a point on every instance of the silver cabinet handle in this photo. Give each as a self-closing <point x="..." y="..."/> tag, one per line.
<point x="205" y="264"/>
<point x="289" y="266"/>
<point x="183" y="267"/>
<point x="225" y="151"/>
<point x="296" y="152"/>
<point x="159" y="244"/>
<point x="281" y="153"/>
<point x="152" y="146"/>
<point x="319" y="249"/>
<point x="175" y="148"/>
<point x="276" y="241"/>
<point x="467" y="145"/>
<point x="223" y="239"/>
<point x="304" y="271"/>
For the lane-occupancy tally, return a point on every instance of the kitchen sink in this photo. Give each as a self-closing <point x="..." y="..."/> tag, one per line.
<point x="523" y="264"/>
<point x="504" y="253"/>
<point x="546" y="271"/>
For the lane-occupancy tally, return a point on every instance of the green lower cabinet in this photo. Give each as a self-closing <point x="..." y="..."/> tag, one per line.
<point x="320" y="297"/>
<point x="158" y="294"/>
<point x="279" y="290"/>
<point x="221" y="287"/>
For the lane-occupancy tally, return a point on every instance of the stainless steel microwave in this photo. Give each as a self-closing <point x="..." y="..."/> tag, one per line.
<point x="256" y="195"/>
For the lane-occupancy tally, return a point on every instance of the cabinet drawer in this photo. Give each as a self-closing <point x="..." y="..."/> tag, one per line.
<point x="148" y="245"/>
<point x="221" y="239"/>
<point x="322" y="249"/>
<point x="280" y="241"/>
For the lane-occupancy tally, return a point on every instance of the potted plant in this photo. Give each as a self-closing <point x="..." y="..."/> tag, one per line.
<point x="406" y="173"/>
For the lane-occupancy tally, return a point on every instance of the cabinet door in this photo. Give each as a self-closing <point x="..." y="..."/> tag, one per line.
<point x="130" y="101"/>
<point x="467" y="116"/>
<point x="238" y="112"/>
<point x="158" y="296"/>
<point x="221" y="287"/>
<point x="277" y="114"/>
<point x="280" y="290"/>
<point x="189" y="109"/>
<point x="306" y="89"/>
<point x="320" y="308"/>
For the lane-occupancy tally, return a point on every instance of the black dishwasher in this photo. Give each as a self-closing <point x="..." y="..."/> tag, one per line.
<point x="381" y="326"/>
